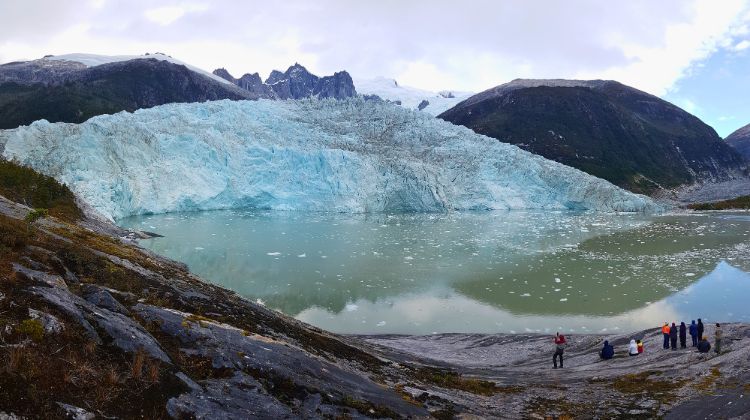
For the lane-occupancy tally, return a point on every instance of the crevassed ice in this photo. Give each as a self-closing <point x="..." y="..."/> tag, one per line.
<point x="310" y="155"/>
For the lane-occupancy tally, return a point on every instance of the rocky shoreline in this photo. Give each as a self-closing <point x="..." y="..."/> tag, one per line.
<point x="91" y="326"/>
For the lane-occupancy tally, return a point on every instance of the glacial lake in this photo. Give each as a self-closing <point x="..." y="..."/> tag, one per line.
<point x="515" y="271"/>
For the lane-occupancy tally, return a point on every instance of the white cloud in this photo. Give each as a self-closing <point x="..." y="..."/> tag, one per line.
<point x="168" y="14"/>
<point x="164" y="15"/>
<point x="742" y="45"/>
<point x="437" y="44"/>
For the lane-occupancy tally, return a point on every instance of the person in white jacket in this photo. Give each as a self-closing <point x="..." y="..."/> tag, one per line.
<point x="633" y="348"/>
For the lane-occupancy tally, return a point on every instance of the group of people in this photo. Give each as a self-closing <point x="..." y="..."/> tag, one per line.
<point x="608" y="351"/>
<point x="696" y="334"/>
<point x="671" y="334"/>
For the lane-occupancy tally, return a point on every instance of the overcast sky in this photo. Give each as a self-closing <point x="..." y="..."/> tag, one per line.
<point x="692" y="52"/>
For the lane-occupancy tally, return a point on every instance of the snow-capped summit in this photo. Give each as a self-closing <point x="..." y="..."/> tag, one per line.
<point x="430" y="102"/>
<point x="93" y="60"/>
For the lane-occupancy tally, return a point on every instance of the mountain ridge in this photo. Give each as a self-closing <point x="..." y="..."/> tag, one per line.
<point x="740" y="141"/>
<point x="605" y="128"/>
<point x="66" y="91"/>
<point x="295" y="83"/>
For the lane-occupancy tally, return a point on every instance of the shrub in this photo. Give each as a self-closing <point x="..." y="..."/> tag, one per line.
<point x="35" y="215"/>
<point x="26" y="186"/>
<point x="33" y="329"/>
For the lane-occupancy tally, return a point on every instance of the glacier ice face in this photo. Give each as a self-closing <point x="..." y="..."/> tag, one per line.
<point x="310" y="155"/>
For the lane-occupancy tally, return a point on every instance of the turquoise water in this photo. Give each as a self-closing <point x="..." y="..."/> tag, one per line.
<point x="470" y="272"/>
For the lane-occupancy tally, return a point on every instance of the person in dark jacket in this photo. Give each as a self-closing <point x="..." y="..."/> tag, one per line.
<point x="673" y="336"/>
<point x="700" y="329"/>
<point x="683" y="335"/>
<point x="694" y="333"/>
<point x="704" y="346"/>
<point x="560" y="344"/>
<point x="608" y="351"/>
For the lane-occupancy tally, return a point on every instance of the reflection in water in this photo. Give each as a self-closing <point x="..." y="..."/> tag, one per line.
<point x="478" y="272"/>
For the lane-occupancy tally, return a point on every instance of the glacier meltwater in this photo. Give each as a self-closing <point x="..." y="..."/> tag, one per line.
<point x="352" y="156"/>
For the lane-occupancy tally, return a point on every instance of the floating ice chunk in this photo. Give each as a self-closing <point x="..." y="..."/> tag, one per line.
<point x="350" y="307"/>
<point x="380" y="324"/>
<point x="301" y="255"/>
<point x="199" y="248"/>
<point x="557" y="280"/>
<point x="564" y="300"/>
<point x="273" y="254"/>
<point x="526" y="295"/>
<point x="689" y="274"/>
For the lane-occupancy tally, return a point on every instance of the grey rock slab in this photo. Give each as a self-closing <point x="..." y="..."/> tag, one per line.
<point x="230" y="347"/>
<point x="51" y="324"/>
<point x="76" y="413"/>
<point x="102" y="298"/>
<point x="52" y="280"/>
<point x="189" y="382"/>
<point x="68" y="303"/>
<point x="127" y="334"/>
<point x="238" y="397"/>
<point x="124" y="331"/>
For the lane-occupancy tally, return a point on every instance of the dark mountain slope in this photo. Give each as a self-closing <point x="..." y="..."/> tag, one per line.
<point x="633" y="139"/>
<point x="740" y="141"/>
<point x="71" y="93"/>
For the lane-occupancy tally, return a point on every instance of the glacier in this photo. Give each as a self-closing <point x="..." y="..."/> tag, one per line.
<point x="310" y="155"/>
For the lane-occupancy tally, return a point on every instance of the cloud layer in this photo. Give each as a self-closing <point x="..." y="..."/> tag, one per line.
<point x="437" y="44"/>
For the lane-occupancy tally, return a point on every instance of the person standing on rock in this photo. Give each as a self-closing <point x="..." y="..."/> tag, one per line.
<point x="683" y="335"/>
<point x="694" y="333"/>
<point x="673" y="336"/>
<point x="665" y="333"/>
<point x="559" y="349"/>
<point x="717" y="342"/>
<point x="700" y="328"/>
<point x="639" y="343"/>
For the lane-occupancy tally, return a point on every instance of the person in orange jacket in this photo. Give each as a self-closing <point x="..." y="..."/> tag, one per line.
<point x="665" y="333"/>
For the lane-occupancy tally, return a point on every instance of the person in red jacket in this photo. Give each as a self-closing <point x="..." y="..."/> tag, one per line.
<point x="560" y="344"/>
<point x="639" y="343"/>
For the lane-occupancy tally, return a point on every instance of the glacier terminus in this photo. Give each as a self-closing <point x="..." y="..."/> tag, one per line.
<point x="349" y="155"/>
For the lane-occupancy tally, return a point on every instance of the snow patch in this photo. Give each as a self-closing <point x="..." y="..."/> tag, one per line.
<point x="93" y="60"/>
<point x="411" y="98"/>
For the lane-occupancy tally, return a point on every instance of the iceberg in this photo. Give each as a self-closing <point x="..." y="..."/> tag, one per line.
<point x="310" y="155"/>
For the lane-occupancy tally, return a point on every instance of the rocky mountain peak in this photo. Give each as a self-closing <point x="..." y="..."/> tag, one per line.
<point x="275" y="77"/>
<point x="295" y="83"/>
<point x="224" y="74"/>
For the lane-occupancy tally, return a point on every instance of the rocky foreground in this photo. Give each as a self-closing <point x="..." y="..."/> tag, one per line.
<point x="93" y="326"/>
